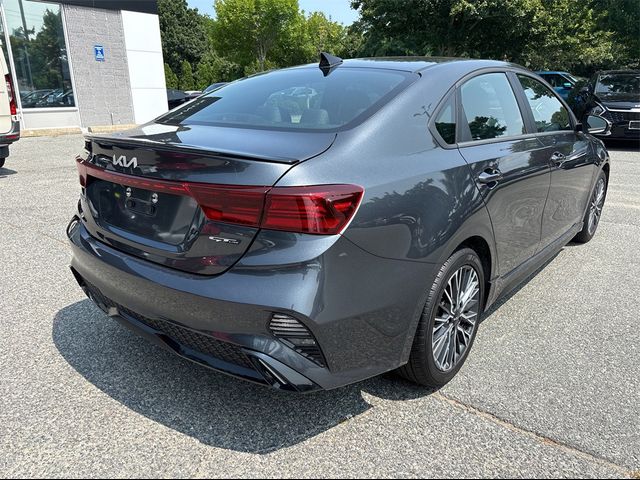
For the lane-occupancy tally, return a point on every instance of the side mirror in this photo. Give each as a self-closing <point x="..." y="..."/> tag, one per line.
<point x="597" y="125"/>
<point x="584" y="89"/>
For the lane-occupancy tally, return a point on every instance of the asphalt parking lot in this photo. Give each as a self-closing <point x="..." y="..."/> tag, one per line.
<point x="551" y="388"/>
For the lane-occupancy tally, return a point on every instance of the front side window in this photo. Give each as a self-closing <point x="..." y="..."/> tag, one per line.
<point x="491" y="108"/>
<point x="446" y="122"/>
<point x="296" y="99"/>
<point x="39" y="53"/>
<point x="548" y="112"/>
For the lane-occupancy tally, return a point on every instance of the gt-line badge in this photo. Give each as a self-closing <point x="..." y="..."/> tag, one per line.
<point x="230" y="241"/>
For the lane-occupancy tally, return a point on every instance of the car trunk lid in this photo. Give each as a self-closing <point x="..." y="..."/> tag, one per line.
<point x="187" y="197"/>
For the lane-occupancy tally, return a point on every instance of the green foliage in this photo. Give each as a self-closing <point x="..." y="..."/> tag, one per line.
<point x="567" y="37"/>
<point x="170" y="78"/>
<point x="622" y="19"/>
<point x="324" y="35"/>
<point x="249" y="30"/>
<point x="578" y="36"/>
<point x="214" y="69"/>
<point x="184" y="33"/>
<point x="250" y="36"/>
<point x="485" y="28"/>
<point x="186" y="80"/>
<point x="247" y="37"/>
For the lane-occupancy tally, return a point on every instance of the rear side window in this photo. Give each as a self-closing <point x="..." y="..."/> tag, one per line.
<point x="491" y="108"/>
<point x="296" y="99"/>
<point x="548" y="112"/>
<point x="445" y="122"/>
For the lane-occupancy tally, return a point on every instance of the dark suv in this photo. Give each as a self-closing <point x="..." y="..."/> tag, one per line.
<point x="312" y="241"/>
<point x="615" y="96"/>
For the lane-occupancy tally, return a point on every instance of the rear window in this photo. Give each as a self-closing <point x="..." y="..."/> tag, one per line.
<point x="302" y="99"/>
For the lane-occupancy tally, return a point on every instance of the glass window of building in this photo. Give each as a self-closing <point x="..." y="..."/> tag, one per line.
<point x="39" y="53"/>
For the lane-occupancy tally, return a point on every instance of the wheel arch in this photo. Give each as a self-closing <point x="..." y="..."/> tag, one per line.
<point x="476" y="232"/>
<point x="479" y="245"/>
<point x="606" y="168"/>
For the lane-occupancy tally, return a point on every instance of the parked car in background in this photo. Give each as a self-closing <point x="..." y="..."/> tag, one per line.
<point x="54" y="98"/>
<point x="615" y="96"/>
<point x="9" y="124"/>
<point x="367" y="233"/>
<point x="175" y="98"/>
<point x="33" y="98"/>
<point x="214" y="86"/>
<point x="562" y="82"/>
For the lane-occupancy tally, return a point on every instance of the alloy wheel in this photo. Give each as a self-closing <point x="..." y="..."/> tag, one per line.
<point x="456" y="318"/>
<point x="595" y="208"/>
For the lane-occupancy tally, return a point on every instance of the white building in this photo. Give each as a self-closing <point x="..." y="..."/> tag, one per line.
<point x="84" y="63"/>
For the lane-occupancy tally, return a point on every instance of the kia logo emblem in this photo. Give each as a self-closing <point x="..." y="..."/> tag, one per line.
<point x="122" y="161"/>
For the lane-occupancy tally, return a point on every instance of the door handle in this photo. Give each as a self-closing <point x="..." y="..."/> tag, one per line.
<point x="558" y="158"/>
<point x="490" y="176"/>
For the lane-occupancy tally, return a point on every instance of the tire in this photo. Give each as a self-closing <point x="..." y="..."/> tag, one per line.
<point x="423" y="368"/>
<point x="596" y="201"/>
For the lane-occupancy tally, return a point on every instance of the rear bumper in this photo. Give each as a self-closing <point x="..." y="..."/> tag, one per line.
<point x="12" y="135"/>
<point x="362" y="309"/>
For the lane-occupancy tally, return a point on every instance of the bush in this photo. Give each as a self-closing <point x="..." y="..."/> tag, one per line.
<point x="187" y="81"/>
<point x="214" y="69"/>
<point x="170" y="78"/>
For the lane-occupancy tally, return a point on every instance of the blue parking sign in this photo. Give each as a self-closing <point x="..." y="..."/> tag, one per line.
<point x="98" y="51"/>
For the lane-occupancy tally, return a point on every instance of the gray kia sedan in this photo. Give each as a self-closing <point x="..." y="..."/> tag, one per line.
<point x="311" y="227"/>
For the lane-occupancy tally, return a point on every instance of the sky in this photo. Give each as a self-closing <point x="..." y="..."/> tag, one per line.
<point x="339" y="10"/>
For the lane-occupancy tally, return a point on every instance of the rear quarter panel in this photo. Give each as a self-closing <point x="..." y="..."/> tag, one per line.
<point x="419" y="198"/>
<point x="420" y="203"/>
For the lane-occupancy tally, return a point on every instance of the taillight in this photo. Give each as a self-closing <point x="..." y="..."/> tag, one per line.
<point x="12" y="100"/>
<point x="317" y="209"/>
<point x="230" y="204"/>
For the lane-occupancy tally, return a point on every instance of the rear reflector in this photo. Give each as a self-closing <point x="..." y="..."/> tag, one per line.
<point x="317" y="209"/>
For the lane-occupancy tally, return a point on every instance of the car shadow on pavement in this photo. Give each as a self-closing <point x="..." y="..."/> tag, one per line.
<point x="215" y="409"/>
<point x="505" y="297"/>
<point x="5" y="172"/>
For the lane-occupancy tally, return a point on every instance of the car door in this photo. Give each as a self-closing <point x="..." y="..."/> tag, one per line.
<point x="508" y="163"/>
<point x="570" y="156"/>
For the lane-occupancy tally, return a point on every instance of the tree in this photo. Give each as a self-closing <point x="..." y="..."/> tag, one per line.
<point x="248" y="30"/>
<point x="324" y="34"/>
<point x="568" y="37"/>
<point x="184" y="33"/>
<point x="572" y="35"/>
<point x="622" y="19"/>
<point x="186" y="81"/>
<point x="170" y="78"/>
<point x="213" y="69"/>
<point x="493" y="28"/>
<point x="306" y="37"/>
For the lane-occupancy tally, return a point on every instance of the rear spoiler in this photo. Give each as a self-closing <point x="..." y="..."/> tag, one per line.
<point x="172" y="147"/>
